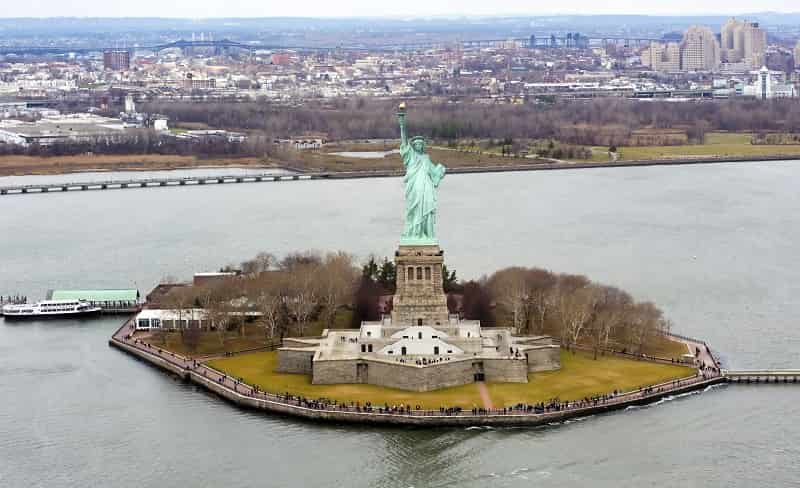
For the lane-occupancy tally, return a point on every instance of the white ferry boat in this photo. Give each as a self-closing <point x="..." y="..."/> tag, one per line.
<point x="50" y="308"/>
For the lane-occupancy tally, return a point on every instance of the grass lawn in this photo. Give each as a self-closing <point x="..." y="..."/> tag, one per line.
<point x="663" y="347"/>
<point x="325" y="160"/>
<point x="209" y="342"/>
<point x="579" y="376"/>
<point x="259" y="369"/>
<point x="717" y="144"/>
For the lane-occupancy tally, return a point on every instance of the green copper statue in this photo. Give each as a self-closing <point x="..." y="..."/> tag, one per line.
<point x="421" y="180"/>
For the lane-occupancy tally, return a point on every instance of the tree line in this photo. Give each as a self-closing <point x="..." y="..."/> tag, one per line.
<point x="288" y="294"/>
<point x="570" y="307"/>
<point x="304" y="287"/>
<point x="144" y="141"/>
<point x="593" y="122"/>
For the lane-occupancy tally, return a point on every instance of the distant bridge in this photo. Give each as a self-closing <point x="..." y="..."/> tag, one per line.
<point x="569" y="40"/>
<point x="220" y="45"/>
<point x="148" y="183"/>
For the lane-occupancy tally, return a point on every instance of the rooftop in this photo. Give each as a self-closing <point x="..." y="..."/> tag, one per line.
<point x="130" y="295"/>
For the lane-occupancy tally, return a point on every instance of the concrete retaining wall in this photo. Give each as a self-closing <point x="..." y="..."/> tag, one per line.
<point x="394" y="375"/>
<point x="294" y="361"/>
<point x="335" y="371"/>
<point x="546" y="358"/>
<point x="506" y="370"/>
<point x="427" y="378"/>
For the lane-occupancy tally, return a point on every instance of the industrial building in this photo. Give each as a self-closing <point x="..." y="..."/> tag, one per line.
<point x="61" y="129"/>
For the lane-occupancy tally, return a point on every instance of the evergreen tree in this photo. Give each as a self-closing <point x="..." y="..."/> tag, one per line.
<point x="387" y="275"/>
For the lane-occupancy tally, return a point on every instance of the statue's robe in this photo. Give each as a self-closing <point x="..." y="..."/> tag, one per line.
<point x="421" y="180"/>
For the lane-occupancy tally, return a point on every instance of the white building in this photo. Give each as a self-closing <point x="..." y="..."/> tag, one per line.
<point x="768" y="85"/>
<point x="61" y="129"/>
<point x="151" y="318"/>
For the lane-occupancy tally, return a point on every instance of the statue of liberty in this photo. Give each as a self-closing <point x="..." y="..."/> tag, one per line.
<point x="421" y="180"/>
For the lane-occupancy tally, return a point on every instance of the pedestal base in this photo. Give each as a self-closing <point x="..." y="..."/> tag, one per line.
<point x="420" y="297"/>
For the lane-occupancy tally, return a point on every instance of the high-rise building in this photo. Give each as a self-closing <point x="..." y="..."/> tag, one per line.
<point x="755" y="44"/>
<point x="117" y="60"/>
<point x="797" y="55"/>
<point x="699" y="50"/>
<point x="743" y="42"/>
<point x="662" y="57"/>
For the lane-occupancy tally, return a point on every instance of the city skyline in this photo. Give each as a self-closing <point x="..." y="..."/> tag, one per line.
<point x="364" y="8"/>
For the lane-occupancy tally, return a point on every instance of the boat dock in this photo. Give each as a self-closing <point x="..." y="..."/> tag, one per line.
<point x="111" y="302"/>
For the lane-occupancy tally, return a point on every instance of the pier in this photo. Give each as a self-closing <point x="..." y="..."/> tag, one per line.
<point x="149" y="183"/>
<point x="762" y="376"/>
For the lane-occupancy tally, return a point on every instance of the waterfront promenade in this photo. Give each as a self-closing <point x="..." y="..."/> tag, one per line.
<point x="248" y="396"/>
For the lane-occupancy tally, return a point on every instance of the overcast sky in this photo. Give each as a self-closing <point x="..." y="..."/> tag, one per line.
<point x="354" y="8"/>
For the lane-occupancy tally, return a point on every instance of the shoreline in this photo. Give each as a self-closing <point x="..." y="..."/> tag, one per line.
<point x="296" y="174"/>
<point x="541" y="165"/>
<point x="550" y="166"/>
<point x="245" y="396"/>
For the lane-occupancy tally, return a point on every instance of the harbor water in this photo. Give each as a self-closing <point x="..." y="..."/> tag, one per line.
<point x="713" y="245"/>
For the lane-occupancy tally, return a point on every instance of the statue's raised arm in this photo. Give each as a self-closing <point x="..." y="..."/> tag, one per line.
<point x="401" y="119"/>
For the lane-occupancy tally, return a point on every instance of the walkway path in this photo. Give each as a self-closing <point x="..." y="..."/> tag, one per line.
<point x="485" y="397"/>
<point x="246" y="395"/>
<point x="700" y="350"/>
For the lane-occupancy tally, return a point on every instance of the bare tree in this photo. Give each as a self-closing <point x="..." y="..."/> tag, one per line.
<point x="337" y="279"/>
<point x="270" y="305"/>
<point x="542" y="296"/>
<point x="646" y="320"/>
<point x="510" y="289"/>
<point x="263" y="261"/>
<point x="576" y="310"/>
<point x="612" y="306"/>
<point x="302" y="294"/>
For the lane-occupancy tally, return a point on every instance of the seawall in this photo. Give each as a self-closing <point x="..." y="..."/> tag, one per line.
<point x="244" y="396"/>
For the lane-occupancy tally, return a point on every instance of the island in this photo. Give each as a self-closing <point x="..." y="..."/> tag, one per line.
<point x="404" y="342"/>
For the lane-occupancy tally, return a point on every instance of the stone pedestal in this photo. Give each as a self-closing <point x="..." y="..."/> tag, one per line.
<point x="420" y="297"/>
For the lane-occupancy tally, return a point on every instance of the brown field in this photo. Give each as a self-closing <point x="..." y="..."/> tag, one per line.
<point x="33" y="165"/>
<point x="325" y="161"/>
<point x="717" y="144"/>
